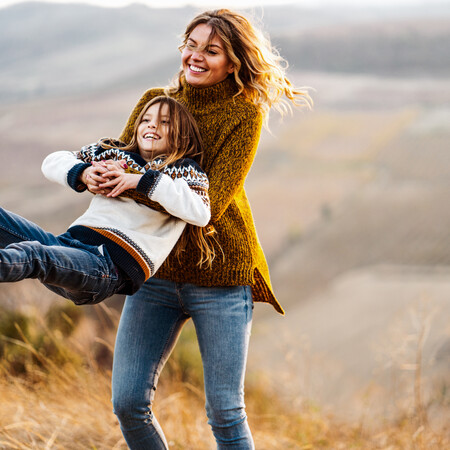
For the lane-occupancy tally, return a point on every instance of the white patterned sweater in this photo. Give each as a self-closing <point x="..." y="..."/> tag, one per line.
<point x="137" y="237"/>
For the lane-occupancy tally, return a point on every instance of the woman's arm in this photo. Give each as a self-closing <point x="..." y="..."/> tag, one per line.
<point x="230" y="167"/>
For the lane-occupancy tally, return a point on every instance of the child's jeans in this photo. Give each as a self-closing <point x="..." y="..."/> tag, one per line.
<point x="82" y="273"/>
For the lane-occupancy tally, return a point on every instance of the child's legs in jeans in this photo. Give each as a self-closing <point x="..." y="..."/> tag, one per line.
<point x="75" y="270"/>
<point x="14" y="228"/>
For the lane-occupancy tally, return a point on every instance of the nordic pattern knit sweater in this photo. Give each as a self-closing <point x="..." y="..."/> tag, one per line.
<point x="230" y="127"/>
<point x="138" y="238"/>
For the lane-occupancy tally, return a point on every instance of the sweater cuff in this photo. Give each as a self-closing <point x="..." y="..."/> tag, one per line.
<point x="148" y="182"/>
<point x="73" y="177"/>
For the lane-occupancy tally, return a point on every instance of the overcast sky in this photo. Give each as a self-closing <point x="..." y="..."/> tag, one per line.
<point x="234" y="3"/>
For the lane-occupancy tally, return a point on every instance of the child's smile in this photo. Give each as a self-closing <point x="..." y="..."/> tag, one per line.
<point x="152" y="133"/>
<point x="151" y="136"/>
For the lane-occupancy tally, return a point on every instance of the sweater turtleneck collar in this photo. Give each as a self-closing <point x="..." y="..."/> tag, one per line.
<point x="201" y="97"/>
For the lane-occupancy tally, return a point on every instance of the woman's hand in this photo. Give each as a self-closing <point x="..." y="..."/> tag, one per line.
<point x="117" y="180"/>
<point x="96" y="175"/>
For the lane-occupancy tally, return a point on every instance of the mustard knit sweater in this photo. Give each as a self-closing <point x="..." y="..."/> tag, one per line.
<point x="230" y="128"/>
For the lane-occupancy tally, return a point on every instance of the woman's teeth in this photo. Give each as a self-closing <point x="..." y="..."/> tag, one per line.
<point x="151" y="136"/>
<point x="197" y="69"/>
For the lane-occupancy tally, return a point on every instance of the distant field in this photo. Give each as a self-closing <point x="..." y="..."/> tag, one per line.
<point x="359" y="247"/>
<point x="350" y="205"/>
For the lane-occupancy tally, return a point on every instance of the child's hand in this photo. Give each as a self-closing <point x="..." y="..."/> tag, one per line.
<point x="92" y="177"/>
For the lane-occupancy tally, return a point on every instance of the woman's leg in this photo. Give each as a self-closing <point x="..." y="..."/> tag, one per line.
<point x="149" y="327"/>
<point x="222" y="318"/>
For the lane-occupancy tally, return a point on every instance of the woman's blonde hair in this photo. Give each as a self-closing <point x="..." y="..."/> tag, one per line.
<point x="259" y="69"/>
<point x="184" y="141"/>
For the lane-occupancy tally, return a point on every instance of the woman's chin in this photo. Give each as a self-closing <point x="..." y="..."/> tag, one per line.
<point x="196" y="80"/>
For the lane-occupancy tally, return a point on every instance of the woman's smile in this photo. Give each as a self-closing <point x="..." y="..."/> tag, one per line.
<point x="204" y="59"/>
<point x="196" y="68"/>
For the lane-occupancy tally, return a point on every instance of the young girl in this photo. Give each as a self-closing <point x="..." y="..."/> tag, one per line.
<point x="117" y="243"/>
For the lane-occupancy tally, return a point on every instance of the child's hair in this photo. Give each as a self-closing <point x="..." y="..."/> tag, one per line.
<point x="184" y="138"/>
<point x="184" y="141"/>
<point x="259" y="69"/>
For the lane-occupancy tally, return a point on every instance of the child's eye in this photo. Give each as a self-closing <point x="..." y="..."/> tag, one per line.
<point x="211" y="52"/>
<point x="165" y="121"/>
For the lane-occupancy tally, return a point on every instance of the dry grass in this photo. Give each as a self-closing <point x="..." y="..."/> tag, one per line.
<point x="61" y="400"/>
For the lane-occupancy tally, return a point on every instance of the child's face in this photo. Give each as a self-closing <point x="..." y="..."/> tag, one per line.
<point x="152" y="132"/>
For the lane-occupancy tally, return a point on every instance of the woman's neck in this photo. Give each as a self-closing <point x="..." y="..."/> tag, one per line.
<point x="200" y="97"/>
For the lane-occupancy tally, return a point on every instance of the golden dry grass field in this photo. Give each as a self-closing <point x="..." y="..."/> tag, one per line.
<point x="56" y="395"/>
<point x="349" y="204"/>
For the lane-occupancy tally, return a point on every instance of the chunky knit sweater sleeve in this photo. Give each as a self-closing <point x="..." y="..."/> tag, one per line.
<point x="232" y="163"/>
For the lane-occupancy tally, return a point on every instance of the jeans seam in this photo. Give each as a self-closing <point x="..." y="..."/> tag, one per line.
<point x="168" y="339"/>
<point x="14" y="233"/>
<point x="178" y="288"/>
<point x="88" y="275"/>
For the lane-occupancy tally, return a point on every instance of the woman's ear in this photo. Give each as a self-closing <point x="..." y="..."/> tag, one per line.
<point x="230" y="68"/>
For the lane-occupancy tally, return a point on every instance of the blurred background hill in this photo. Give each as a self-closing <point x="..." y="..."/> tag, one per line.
<point x="350" y="199"/>
<point x="52" y="49"/>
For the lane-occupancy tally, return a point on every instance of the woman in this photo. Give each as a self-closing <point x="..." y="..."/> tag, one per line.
<point x="230" y="78"/>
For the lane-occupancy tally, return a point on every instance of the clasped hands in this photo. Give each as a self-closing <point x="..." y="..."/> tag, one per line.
<point x="109" y="178"/>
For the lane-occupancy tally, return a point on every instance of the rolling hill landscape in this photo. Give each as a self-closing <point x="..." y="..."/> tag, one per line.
<point x="350" y="200"/>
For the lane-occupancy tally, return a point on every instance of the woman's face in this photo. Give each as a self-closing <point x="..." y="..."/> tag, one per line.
<point x="153" y="131"/>
<point x="205" y="63"/>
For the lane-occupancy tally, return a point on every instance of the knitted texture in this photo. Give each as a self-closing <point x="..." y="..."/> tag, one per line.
<point x="127" y="241"/>
<point x="230" y="127"/>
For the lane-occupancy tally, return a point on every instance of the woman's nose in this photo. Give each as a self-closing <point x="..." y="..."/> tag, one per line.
<point x="197" y="54"/>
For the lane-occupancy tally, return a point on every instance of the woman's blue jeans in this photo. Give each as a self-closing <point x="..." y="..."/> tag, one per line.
<point x="77" y="271"/>
<point x="150" y="324"/>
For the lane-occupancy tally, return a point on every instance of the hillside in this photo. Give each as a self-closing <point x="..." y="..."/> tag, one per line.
<point x="51" y="49"/>
<point x="349" y="199"/>
<point x="408" y="48"/>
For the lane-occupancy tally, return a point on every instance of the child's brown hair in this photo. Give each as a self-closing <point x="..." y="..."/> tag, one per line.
<point x="184" y="141"/>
